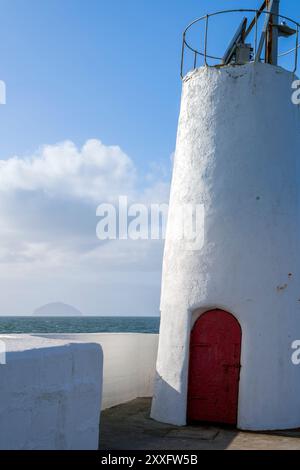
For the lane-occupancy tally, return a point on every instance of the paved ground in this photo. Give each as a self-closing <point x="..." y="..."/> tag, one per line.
<point x="128" y="427"/>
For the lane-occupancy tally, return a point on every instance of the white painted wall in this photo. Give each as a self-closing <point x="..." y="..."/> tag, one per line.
<point x="237" y="153"/>
<point x="129" y="364"/>
<point x="50" y="394"/>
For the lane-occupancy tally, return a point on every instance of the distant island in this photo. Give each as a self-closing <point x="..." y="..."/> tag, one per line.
<point x="57" y="309"/>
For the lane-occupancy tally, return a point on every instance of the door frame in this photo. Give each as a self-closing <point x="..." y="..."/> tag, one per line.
<point x="195" y="317"/>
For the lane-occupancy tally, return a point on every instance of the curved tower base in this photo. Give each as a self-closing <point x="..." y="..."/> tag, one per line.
<point x="237" y="157"/>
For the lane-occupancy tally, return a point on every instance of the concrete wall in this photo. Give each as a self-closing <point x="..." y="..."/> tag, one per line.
<point x="129" y="364"/>
<point x="50" y="394"/>
<point x="237" y="155"/>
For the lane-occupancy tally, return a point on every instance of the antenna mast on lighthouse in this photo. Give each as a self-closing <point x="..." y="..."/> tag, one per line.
<point x="272" y="30"/>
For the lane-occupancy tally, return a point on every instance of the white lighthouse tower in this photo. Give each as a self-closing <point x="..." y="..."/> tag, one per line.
<point x="230" y="307"/>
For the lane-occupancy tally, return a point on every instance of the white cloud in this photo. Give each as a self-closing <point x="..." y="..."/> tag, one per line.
<point x="48" y="245"/>
<point x="90" y="173"/>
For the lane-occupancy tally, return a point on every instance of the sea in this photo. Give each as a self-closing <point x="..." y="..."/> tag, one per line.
<point x="26" y="325"/>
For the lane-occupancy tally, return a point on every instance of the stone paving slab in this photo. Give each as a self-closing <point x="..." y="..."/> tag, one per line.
<point x="129" y="427"/>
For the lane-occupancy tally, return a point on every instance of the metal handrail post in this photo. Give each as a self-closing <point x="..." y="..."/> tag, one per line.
<point x="297" y="49"/>
<point x="206" y="36"/>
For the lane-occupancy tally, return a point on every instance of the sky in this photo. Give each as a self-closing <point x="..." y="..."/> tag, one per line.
<point x="93" y="97"/>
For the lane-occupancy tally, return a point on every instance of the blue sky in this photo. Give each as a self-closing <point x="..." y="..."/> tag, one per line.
<point x="78" y="70"/>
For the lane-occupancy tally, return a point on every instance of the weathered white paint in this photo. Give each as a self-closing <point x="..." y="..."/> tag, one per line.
<point x="129" y="364"/>
<point x="237" y="153"/>
<point x="50" y="394"/>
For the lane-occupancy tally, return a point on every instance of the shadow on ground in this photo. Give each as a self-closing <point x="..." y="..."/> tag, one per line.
<point x="129" y="427"/>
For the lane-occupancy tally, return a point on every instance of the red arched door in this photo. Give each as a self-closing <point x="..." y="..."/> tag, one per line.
<point x="214" y="371"/>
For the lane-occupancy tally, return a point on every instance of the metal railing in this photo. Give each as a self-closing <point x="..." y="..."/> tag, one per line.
<point x="204" y="52"/>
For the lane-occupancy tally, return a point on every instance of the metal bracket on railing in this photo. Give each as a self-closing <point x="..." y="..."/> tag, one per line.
<point x="239" y="52"/>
